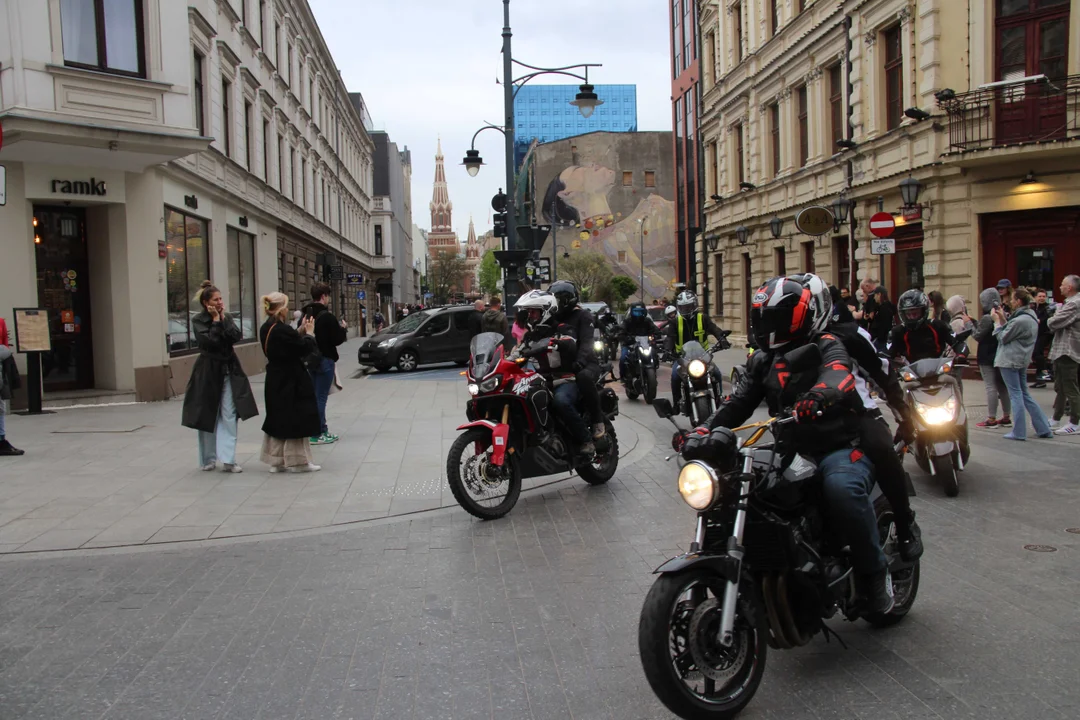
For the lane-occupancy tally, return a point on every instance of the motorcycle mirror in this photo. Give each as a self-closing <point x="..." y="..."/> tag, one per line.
<point x="803" y="359"/>
<point x="962" y="337"/>
<point x="663" y="408"/>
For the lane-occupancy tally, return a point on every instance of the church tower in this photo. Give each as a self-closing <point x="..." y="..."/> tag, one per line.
<point x="442" y="237"/>
<point x="472" y="262"/>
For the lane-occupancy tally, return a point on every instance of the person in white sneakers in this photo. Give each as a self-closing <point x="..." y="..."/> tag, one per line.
<point x="1065" y="355"/>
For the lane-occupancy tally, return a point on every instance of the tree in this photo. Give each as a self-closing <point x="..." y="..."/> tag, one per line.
<point x="622" y="287"/>
<point x="489" y="274"/>
<point x="589" y="271"/>
<point x="446" y="273"/>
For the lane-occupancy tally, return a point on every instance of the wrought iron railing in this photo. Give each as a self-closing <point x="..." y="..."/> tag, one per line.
<point x="1020" y="112"/>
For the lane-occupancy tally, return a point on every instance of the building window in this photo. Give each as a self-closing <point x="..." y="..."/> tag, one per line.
<point x="804" y="126"/>
<point x="378" y="240"/>
<point x="718" y="300"/>
<point x="277" y="45"/>
<point x="262" y="24"/>
<point x="676" y="40"/>
<point x="894" y="78"/>
<point x="650" y="178"/>
<point x="781" y="261"/>
<point x="248" y="147"/>
<point x="736" y="16"/>
<point x="266" y="151"/>
<point x="226" y="116"/>
<point x="836" y="104"/>
<point x="627" y="178"/>
<point x="289" y="64"/>
<point x="740" y="153"/>
<point x="774" y="17"/>
<point x="712" y="186"/>
<point x="105" y="35"/>
<point x="281" y="165"/>
<point x="200" y="107"/>
<point x="292" y="174"/>
<point x="188" y="266"/>
<point x="689" y="32"/>
<point x="241" y="253"/>
<point x="708" y="64"/>
<point x="774" y="137"/>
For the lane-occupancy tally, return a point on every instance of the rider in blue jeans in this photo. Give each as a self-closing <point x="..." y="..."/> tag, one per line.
<point x="329" y="333"/>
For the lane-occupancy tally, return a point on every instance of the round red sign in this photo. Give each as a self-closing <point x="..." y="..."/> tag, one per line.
<point x="882" y="224"/>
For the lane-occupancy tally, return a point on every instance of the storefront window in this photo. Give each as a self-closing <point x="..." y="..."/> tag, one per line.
<point x="242" y="281"/>
<point x="103" y="35"/>
<point x="188" y="266"/>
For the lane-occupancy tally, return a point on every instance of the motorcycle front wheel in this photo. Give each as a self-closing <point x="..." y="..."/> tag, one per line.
<point x="945" y="470"/>
<point x="484" y="490"/>
<point x="604" y="464"/>
<point x="905" y="582"/>
<point x="702" y="409"/>
<point x="650" y="385"/>
<point x="690" y="671"/>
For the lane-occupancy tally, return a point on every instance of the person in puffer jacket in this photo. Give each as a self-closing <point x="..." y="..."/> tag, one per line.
<point x="959" y="320"/>
<point x="1016" y="340"/>
<point x="992" y="380"/>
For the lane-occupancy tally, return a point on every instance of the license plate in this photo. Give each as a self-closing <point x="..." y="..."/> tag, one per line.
<point x="365" y="356"/>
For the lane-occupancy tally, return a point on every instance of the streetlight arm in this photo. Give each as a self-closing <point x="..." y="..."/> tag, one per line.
<point x="521" y="81"/>
<point x="472" y="145"/>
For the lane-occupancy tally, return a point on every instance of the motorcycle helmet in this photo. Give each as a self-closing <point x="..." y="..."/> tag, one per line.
<point x="914" y="308"/>
<point x="539" y="307"/>
<point x="670" y="312"/>
<point x="637" y="311"/>
<point x="686" y="302"/>
<point x="566" y="295"/>
<point x="789" y="310"/>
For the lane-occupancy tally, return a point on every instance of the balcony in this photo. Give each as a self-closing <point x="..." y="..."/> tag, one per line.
<point x="1031" y="111"/>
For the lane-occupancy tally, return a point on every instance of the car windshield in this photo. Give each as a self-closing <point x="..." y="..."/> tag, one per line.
<point x="694" y="351"/>
<point x="486" y="349"/>
<point x="594" y="307"/>
<point x="409" y="323"/>
<point x="656" y="313"/>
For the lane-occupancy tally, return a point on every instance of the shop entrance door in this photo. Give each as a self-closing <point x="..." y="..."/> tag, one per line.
<point x="1034" y="248"/>
<point x="63" y="276"/>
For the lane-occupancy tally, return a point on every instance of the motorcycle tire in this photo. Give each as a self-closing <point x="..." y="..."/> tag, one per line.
<point x="650" y="385"/>
<point x="945" y="470"/>
<point x="630" y="394"/>
<point x="457" y="486"/>
<point x="655" y="634"/>
<point x="703" y="408"/>
<point x="598" y="475"/>
<point x="906" y="579"/>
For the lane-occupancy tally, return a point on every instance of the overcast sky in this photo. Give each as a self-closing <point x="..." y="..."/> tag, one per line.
<point x="427" y="68"/>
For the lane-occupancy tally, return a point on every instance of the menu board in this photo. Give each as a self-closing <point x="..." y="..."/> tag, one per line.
<point x="32" y="330"/>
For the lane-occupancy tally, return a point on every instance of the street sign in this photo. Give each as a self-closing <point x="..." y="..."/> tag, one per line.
<point x="337" y="272"/>
<point x="354" y="279"/>
<point x="882" y="246"/>
<point x="882" y="225"/>
<point x="361" y="295"/>
<point x="815" y="220"/>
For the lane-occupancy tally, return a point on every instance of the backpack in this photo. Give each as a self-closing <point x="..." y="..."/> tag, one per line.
<point x="313" y="360"/>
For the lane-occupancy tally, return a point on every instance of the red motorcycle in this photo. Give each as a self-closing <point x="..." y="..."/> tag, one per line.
<point x="513" y="432"/>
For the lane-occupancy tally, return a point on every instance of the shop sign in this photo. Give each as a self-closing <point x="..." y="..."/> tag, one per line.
<point x="815" y="220"/>
<point x="912" y="214"/>
<point x="354" y="279"/>
<point x="80" y="187"/>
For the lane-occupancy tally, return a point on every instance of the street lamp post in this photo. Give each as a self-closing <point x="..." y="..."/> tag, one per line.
<point x="641" y="258"/>
<point x="554" y="254"/>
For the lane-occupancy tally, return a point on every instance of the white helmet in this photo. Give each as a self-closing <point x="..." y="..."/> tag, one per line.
<point x="540" y="307"/>
<point x="669" y="312"/>
<point x="686" y="301"/>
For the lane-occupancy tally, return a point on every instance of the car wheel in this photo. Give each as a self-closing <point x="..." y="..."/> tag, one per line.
<point x="407" y="360"/>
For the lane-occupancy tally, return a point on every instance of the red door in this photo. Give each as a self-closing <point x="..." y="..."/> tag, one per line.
<point x="1032" y="38"/>
<point x="1034" y="248"/>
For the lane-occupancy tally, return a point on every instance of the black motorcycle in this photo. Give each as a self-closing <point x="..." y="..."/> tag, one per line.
<point x="762" y="571"/>
<point x="639" y="374"/>
<point x="702" y="388"/>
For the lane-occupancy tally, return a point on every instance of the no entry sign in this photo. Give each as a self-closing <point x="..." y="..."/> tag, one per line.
<point x="882" y="225"/>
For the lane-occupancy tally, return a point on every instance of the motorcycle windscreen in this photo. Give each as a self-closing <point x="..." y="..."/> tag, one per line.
<point x="694" y="350"/>
<point x="486" y="350"/>
<point x="643" y="341"/>
<point x="926" y="368"/>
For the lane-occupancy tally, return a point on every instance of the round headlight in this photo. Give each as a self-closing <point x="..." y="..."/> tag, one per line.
<point x="598" y="345"/>
<point x="697" y="368"/>
<point x="698" y="485"/>
<point x="474" y="389"/>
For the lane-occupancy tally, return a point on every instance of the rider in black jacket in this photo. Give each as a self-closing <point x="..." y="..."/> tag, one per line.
<point x="586" y="366"/>
<point x="918" y="337"/>
<point x="636" y="324"/>
<point x="690" y="325"/>
<point x="788" y="314"/>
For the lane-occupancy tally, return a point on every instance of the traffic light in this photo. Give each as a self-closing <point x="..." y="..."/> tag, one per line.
<point x="500" y="224"/>
<point x="498" y="204"/>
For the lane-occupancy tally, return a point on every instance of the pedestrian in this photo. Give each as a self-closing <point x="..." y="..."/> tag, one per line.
<point x="1065" y="355"/>
<point x="9" y="383"/>
<point x="322" y="364"/>
<point x="1005" y="291"/>
<point x="959" y="320"/>
<point x="880" y="315"/>
<point x="841" y="312"/>
<point x="1042" y="343"/>
<point x="938" y="309"/>
<point x="378" y="321"/>
<point x="519" y="329"/>
<point x="993" y="382"/>
<point x="1016" y="339"/>
<point x="218" y="393"/>
<point x="848" y="299"/>
<point x="292" y="414"/>
<point x="476" y="319"/>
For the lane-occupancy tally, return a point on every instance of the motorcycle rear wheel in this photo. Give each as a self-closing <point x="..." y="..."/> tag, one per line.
<point x="945" y="470"/>
<point x="669" y="653"/>
<point x="600" y="473"/>
<point x="478" y="469"/>
<point x="650" y="385"/>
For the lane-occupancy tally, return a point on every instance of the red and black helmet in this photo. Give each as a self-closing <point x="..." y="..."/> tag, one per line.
<point x="788" y="310"/>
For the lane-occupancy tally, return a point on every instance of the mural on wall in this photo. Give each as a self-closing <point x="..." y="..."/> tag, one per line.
<point x="577" y="203"/>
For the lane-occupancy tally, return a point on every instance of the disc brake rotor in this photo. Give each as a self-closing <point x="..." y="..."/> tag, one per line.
<point x="712" y="659"/>
<point x="481" y="475"/>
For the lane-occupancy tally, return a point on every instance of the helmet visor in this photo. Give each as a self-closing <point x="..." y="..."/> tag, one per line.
<point x="912" y="314"/>
<point x="771" y="326"/>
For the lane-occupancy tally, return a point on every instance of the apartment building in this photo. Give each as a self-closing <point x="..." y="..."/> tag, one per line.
<point x="973" y="106"/>
<point x="151" y="144"/>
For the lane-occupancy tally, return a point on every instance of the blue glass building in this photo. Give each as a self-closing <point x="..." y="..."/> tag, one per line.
<point x="544" y="113"/>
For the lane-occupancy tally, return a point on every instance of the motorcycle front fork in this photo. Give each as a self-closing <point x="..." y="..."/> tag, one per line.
<point x="735" y="550"/>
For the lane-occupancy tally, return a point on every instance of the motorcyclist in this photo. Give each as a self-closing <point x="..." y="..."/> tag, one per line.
<point x="786" y="314"/>
<point x="690" y="324"/>
<point x="636" y="324"/>
<point x="918" y="337"/>
<point x="670" y="312"/>
<point x="579" y="323"/>
<point x="608" y="325"/>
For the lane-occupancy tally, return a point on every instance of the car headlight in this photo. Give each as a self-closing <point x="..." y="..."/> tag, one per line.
<point x="388" y="343"/>
<point x="474" y="389"/>
<point x="696" y="368"/>
<point x="937" y="414"/>
<point x="492" y="383"/>
<point x="698" y="485"/>
<point x="598" y="346"/>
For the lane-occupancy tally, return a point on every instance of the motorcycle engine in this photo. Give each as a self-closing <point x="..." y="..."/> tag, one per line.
<point x="555" y="446"/>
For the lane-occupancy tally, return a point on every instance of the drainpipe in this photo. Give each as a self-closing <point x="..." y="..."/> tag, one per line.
<point x="850" y="162"/>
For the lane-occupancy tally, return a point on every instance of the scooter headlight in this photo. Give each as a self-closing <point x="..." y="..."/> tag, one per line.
<point x="699" y="485"/>
<point x="908" y="376"/>
<point x="937" y="414"/>
<point x="946" y="366"/>
<point x="696" y="368"/>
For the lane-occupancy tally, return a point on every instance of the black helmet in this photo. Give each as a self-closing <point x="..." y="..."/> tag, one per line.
<point x="913" y="308"/>
<point x="566" y="294"/>
<point x="787" y="310"/>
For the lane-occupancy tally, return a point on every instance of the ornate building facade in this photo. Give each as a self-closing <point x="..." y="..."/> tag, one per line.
<point x="441" y="237"/>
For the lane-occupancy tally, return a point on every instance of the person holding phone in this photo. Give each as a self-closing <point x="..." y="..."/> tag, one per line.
<point x="993" y="382"/>
<point x="1016" y="336"/>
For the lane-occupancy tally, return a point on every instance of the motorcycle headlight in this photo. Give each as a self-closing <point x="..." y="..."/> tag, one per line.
<point x="646" y="351"/>
<point x="491" y="384"/>
<point x="598" y="345"/>
<point x="937" y="414"/>
<point x="696" y="368"/>
<point x="388" y="343"/>
<point x="474" y="389"/>
<point x="698" y="485"/>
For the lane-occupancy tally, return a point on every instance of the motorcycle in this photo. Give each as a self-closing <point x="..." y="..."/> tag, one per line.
<point x="701" y="392"/>
<point x="738" y="372"/>
<point x="763" y="571"/>
<point x="641" y="365"/>
<point x="933" y="394"/>
<point x="513" y="432"/>
<point x="606" y="344"/>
